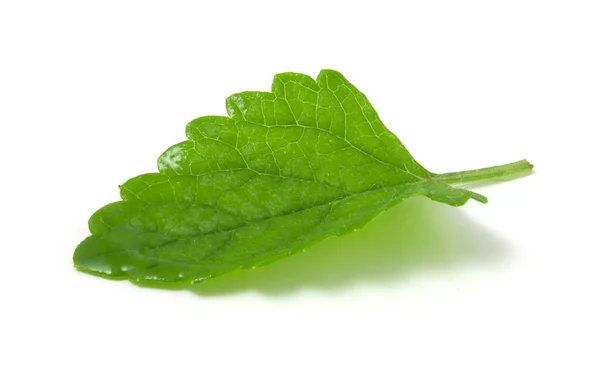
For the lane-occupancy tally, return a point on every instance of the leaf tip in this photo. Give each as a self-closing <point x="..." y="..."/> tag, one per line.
<point x="480" y="198"/>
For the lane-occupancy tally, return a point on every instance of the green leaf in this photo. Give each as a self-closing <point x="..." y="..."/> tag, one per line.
<point x="285" y="170"/>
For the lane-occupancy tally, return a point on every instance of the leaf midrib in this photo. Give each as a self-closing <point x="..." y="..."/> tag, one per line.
<point x="245" y="223"/>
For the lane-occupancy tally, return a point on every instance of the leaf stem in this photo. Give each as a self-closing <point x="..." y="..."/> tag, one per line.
<point x="499" y="172"/>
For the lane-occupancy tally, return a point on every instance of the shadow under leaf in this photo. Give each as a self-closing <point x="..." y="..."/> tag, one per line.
<point x="414" y="236"/>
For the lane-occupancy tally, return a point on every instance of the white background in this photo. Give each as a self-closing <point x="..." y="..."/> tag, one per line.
<point x="91" y="93"/>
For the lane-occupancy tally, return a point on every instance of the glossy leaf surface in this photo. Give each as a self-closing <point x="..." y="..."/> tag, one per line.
<point x="286" y="169"/>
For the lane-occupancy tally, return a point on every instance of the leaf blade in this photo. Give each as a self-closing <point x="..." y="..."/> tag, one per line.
<point x="287" y="169"/>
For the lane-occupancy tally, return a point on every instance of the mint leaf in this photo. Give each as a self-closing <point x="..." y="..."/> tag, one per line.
<point x="286" y="169"/>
